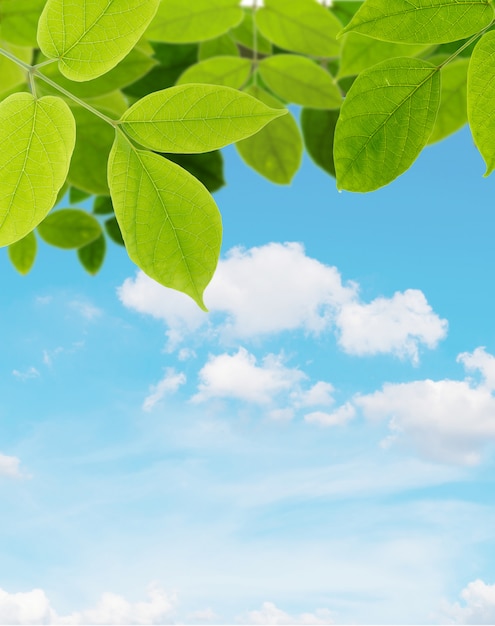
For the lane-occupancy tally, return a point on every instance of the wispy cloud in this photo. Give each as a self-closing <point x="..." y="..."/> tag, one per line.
<point x="269" y="613"/>
<point x="10" y="467"/>
<point x="85" y="309"/>
<point x="168" y="385"/>
<point x="28" y="374"/>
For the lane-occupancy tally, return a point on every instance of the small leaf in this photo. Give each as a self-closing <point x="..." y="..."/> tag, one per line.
<point x="301" y="81"/>
<point x="77" y="195"/>
<point x="452" y="113"/>
<point x="90" y="38"/>
<point x="206" y="167"/>
<point x="170" y="223"/>
<point x="421" y="21"/>
<point x="318" y="129"/>
<point x="113" y="231"/>
<point x="36" y="142"/>
<point x="185" y="22"/>
<point x="103" y="205"/>
<point x="195" y="118"/>
<point x="227" y="71"/>
<point x="276" y="151"/>
<point x="244" y="34"/>
<point x="22" y="253"/>
<point x="69" y="228"/>
<point x="19" y="21"/>
<point x="481" y="98"/>
<point x="385" y="121"/>
<point x="300" y="26"/>
<point x="92" y="255"/>
<point x="219" y="47"/>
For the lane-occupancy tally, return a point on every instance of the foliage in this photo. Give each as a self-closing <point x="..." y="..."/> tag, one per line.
<point x="130" y="102"/>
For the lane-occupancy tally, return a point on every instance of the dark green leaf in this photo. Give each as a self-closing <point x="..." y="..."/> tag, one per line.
<point x="103" y="205"/>
<point x="206" y="167"/>
<point x="318" y="129"/>
<point x="22" y="253"/>
<point x="113" y="231"/>
<point x="77" y="195"/>
<point x="69" y="228"/>
<point x="92" y="255"/>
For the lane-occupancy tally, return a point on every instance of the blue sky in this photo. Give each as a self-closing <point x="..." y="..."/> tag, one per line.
<point x="317" y="449"/>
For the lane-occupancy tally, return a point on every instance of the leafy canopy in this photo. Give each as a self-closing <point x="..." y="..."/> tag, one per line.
<point x="126" y="104"/>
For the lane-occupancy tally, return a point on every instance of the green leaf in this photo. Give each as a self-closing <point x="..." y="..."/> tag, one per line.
<point x="195" y="118"/>
<point x="92" y="255"/>
<point x="227" y="71"/>
<point x="22" y="253"/>
<point x="36" y="142"/>
<point x="452" y="113"/>
<point x="170" y="223"/>
<point x="206" y="167"/>
<point x="301" y="81"/>
<point x="345" y="9"/>
<point x="385" y="121"/>
<point x="244" y="34"/>
<point x="421" y="21"/>
<point x="69" y="228"/>
<point x="90" y="38"/>
<point x="481" y="98"/>
<point x="185" y="22"/>
<point x="360" y="52"/>
<point x="318" y="129"/>
<point x="113" y="103"/>
<point x="113" y="231"/>
<point x="300" y="26"/>
<point x="19" y="21"/>
<point x="88" y="168"/>
<point x="276" y="151"/>
<point x="11" y="74"/>
<point x="102" y="205"/>
<point x="219" y="47"/>
<point x="77" y="195"/>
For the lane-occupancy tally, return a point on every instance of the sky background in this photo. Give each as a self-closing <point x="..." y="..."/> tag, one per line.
<point x="317" y="449"/>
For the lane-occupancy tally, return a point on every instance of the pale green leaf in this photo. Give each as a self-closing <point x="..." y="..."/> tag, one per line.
<point x="481" y="98"/>
<point x="360" y="52"/>
<point x="276" y="151"/>
<point x="318" y="129"/>
<point x="92" y="255"/>
<point x="185" y="22"/>
<point x="90" y="38"/>
<point x="113" y="103"/>
<point x="22" y="253"/>
<point x="19" y="21"/>
<point x="301" y="81"/>
<point x="113" y="231"/>
<point x="244" y="34"/>
<point x="36" y="142"/>
<point x="195" y="118"/>
<point x="11" y="75"/>
<point x="452" y="113"/>
<point x="219" y="47"/>
<point x="345" y="9"/>
<point x="421" y="21"/>
<point x="385" y="121"/>
<point x="69" y="228"/>
<point x="170" y="223"/>
<point x="88" y="168"/>
<point x="300" y="26"/>
<point x="227" y="71"/>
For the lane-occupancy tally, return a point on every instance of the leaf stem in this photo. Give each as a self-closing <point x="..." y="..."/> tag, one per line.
<point x="467" y="43"/>
<point x="255" y="45"/>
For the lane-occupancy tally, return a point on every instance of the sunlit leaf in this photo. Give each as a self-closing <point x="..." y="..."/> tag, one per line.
<point x="224" y="70"/>
<point x="36" y="142"/>
<point x="22" y="253"/>
<point x="195" y="118"/>
<point x="92" y="255"/>
<point x="345" y="9"/>
<point x="318" y="129"/>
<point x="90" y="38"/>
<point x="19" y="21"/>
<point x="452" y="113"/>
<point x="170" y="223"/>
<point x="69" y="228"/>
<point x="11" y="75"/>
<point x="421" y="21"/>
<point x="385" y="121"/>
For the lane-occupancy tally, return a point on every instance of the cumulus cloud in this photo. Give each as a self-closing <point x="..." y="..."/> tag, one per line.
<point x="276" y="288"/>
<point x="340" y="416"/>
<point x="271" y="614"/>
<point x="33" y="607"/>
<point x="168" y="385"/>
<point x="477" y="607"/>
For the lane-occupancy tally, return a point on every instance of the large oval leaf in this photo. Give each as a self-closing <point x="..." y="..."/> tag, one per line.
<point x="223" y="70"/>
<point x="421" y="21"/>
<point x="195" y="118"/>
<point x="37" y="138"/>
<point x="385" y="121"/>
<point x="90" y="38"/>
<point x="171" y="225"/>
<point x="22" y="253"/>
<point x="185" y="22"/>
<point x="481" y="98"/>
<point x="301" y="81"/>
<point x="69" y="228"/>
<point x="300" y="26"/>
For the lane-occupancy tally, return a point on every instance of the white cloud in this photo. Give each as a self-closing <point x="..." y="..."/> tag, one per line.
<point x="168" y="385"/>
<point x="85" y="309"/>
<point x="340" y="416"/>
<point x="478" y="605"/>
<point x="33" y="607"/>
<point x="28" y="374"/>
<point x="320" y="394"/>
<point x="276" y="288"/>
<point x="10" y="466"/>
<point x="483" y="362"/>
<point x="271" y="614"/>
